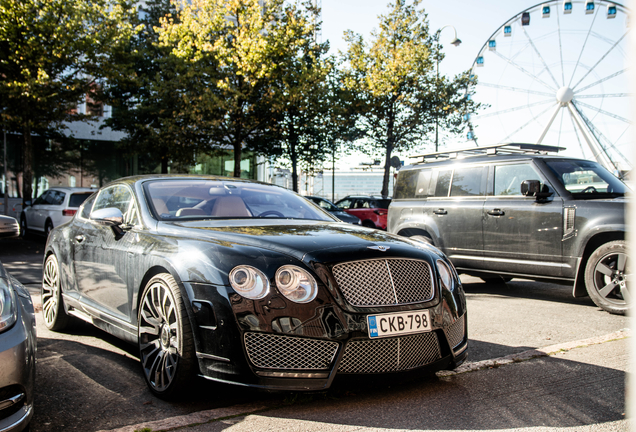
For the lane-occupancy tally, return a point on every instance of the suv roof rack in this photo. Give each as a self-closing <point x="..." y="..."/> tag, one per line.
<point x="508" y="148"/>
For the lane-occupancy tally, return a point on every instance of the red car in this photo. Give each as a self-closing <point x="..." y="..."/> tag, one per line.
<point x="371" y="210"/>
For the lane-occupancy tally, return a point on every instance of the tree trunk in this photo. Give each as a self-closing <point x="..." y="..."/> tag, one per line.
<point x="237" y="159"/>
<point x="387" y="160"/>
<point x="27" y="172"/>
<point x="293" y="154"/>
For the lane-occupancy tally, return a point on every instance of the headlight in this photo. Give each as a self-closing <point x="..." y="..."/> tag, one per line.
<point x="296" y="284"/>
<point x="445" y="275"/>
<point x="8" y="311"/>
<point x="249" y="282"/>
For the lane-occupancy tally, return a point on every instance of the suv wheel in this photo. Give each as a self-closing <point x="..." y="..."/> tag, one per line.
<point x="606" y="276"/>
<point x="47" y="228"/>
<point x="368" y="224"/>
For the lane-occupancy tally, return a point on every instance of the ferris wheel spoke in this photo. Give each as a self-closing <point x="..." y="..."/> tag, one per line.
<point x="549" y="125"/>
<point x="604" y="95"/>
<point x="615" y="74"/>
<point x="576" y="65"/>
<point x="517" y="89"/>
<point x="526" y="124"/>
<point x="560" y="50"/>
<point x="517" y="108"/>
<point x="531" y="75"/>
<point x="576" y="133"/>
<point x="602" y="111"/>
<point x="587" y="129"/>
<point x="600" y="60"/>
<point x="561" y="127"/>
<point x="540" y="57"/>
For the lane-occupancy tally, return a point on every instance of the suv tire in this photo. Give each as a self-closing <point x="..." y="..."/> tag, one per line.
<point x="606" y="277"/>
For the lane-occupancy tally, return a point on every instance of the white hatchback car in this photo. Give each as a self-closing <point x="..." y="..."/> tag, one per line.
<point x="54" y="207"/>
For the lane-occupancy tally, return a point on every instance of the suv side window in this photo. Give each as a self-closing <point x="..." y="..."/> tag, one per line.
<point x="443" y="183"/>
<point x="345" y="204"/>
<point x="508" y="178"/>
<point x="413" y="184"/>
<point x="467" y="181"/>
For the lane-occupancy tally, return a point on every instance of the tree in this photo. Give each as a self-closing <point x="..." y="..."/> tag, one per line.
<point x="156" y="95"/>
<point x="50" y="52"/>
<point x="395" y="81"/>
<point x="245" y="40"/>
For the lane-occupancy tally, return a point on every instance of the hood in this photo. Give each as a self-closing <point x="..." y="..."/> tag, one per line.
<point x="304" y="240"/>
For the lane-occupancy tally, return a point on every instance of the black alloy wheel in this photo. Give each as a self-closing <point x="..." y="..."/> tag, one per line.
<point x="606" y="277"/>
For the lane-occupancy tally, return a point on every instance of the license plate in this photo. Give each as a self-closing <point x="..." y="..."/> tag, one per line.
<point x="393" y="324"/>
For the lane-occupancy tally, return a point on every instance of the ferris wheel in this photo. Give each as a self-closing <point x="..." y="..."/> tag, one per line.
<point x="557" y="73"/>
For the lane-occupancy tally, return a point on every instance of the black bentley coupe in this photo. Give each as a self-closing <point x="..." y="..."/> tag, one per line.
<point x="245" y="282"/>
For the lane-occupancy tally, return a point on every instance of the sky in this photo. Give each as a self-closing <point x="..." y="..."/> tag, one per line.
<point x="475" y="21"/>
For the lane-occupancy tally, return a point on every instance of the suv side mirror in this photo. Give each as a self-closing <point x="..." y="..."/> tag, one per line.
<point x="535" y="189"/>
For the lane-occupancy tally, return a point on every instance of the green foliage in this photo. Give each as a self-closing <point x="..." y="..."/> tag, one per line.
<point x="394" y="79"/>
<point x="50" y="55"/>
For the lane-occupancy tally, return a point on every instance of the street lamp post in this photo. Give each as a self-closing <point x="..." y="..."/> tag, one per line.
<point x="456" y="43"/>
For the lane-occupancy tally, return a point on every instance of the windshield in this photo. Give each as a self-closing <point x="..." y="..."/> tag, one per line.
<point x="195" y="199"/>
<point x="586" y="179"/>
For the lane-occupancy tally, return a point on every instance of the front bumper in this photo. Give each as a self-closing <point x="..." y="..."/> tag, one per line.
<point x="17" y="374"/>
<point x="308" y="355"/>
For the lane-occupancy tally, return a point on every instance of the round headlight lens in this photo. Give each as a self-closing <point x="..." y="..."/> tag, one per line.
<point x="445" y="275"/>
<point x="296" y="284"/>
<point x="249" y="282"/>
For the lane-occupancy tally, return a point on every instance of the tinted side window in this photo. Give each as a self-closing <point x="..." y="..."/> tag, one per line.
<point x="41" y="199"/>
<point x="344" y="204"/>
<point x="118" y="197"/>
<point x="77" y="199"/>
<point x="467" y="181"/>
<point x="508" y="178"/>
<point x="443" y="183"/>
<point x="413" y="184"/>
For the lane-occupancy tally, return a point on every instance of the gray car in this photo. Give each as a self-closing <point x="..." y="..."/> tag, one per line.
<point x="17" y="354"/>
<point x="9" y="227"/>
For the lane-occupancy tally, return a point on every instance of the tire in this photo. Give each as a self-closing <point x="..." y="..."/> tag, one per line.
<point x="495" y="279"/>
<point x="23" y="226"/>
<point x="606" y="274"/>
<point x="55" y="317"/>
<point x="166" y="343"/>
<point x="47" y="228"/>
<point x="368" y="224"/>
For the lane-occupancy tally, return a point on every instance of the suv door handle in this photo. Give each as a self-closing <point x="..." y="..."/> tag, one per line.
<point x="440" y="212"/>
<point x="496" y="212"/>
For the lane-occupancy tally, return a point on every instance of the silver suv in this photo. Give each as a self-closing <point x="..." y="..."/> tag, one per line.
<point x="518" y="211"/>
<point x="54" y="207"/>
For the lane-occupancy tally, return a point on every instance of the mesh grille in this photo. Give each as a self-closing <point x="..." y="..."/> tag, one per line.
<point x="390" y="354"/>
<point x="455" y="332"/>
<point x="568" y="220"/>
<point x="286" y="352"/>
<point x="372" y="282"/>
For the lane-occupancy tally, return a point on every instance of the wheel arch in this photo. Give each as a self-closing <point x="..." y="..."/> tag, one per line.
<point x="590" y="246"/>
<point x="409" y="232"/>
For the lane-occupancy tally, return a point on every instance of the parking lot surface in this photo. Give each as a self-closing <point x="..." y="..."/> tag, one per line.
<point x="90" y="381"/>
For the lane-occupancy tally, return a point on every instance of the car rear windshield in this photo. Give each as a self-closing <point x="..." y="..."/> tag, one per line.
<point x="191" y="199"/>
<point x="77" y="199"/>
<point x="586" y="179"/>
<point x="381" y="203"/>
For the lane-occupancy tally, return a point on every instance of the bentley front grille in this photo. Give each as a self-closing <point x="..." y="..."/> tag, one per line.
<point x="390" y="354"/>
<point x="384" y="282"/>
<point x="455" y="332"/>
<point x="287" y="352"/>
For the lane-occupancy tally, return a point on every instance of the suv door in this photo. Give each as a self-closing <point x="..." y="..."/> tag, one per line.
<point x="456" y="212"/>
<point x="521" y="234"/>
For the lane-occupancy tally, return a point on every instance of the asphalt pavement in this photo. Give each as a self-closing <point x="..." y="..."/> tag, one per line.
<point x="539" y="360"/>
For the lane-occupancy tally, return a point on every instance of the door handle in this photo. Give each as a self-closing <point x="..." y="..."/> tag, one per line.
<point x="440" y="212"/>
<point x="79" y="238"/>
<point x="496" y="212"/>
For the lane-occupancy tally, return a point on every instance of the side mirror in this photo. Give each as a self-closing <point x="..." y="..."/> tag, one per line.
<point x="108" y="217"/>
<point x="28" y="203"/>
<point x="535" y="188"/>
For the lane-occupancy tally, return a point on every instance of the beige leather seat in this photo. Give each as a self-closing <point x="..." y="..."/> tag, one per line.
<point x="230" y="206"/>
<point x="189" y="211"/>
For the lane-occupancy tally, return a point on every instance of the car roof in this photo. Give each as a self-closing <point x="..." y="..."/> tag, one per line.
<point x="478" y="159"/>
<point x="71" y="189"/>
